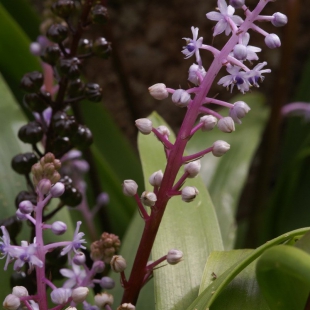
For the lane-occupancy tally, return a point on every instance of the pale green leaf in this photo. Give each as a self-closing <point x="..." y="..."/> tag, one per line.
<point x="220" y="174"/>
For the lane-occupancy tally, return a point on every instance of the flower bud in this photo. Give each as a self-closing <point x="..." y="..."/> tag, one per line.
<point x="164" y="131"/>
<point x="272" y="40"/>
<point x="79" y="258"/>
<point x="58" y="189"/>
<point x="60" y="295"/>
<point x="148" y="199"/>
<point x="192" y="168"/>
<point x="103" y="299"/>
<point x="20" y="216"/>
<point x="44" y="186"/>
<point x="20" y="291"/>
<point x="144" y="125"/>
<point x="130" y="188"/>
<point x="26" y="207"/>
<point x="209" y="122"/>
<point x="220" y="147"/>
<point x="98" y="266"/>
<point x="192" y="73"/>
<point x="239" y="110"/>
<point x="158" y="91"/>
<point x="107" y="283"/>
<point x="11" y="302"/>
<point x="226" y="124"/>
<point x="240" y="52"/>
<point x="126" y="306"/>
<point x="103" y="199"/>
<point x="156" y="178"/>
<point x="35" y="48"/>
<point x="118" y="263"/>
<point x="79" y="294"/>
<point x="189" y="193"/>
<point x="174" y="257"/>
<point x="181" y="98"/>
<point x="71" y="308"/>
<point x="237" y="4"/>
<point x="59" y="228"/>
<point x="279" y="19"/>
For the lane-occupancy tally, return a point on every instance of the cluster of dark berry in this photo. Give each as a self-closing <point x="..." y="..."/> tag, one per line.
<point x="56" y="126"/>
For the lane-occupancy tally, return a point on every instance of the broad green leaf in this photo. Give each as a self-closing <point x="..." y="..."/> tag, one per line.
<point x="24" y="14"/>
<point x="209" y="293"/>
<point x="283" y="273"/>
<point x="243" y="291"/>
<point x="220" y="174"/>
<point x="15" y="57"/>
<point x="192" y="228"/>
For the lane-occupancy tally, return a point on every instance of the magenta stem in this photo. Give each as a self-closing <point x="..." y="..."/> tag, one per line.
<point x="50" y="284"/>
<point x="142" y="210"/>
<point x="219" y="102"/>
<point x="196" y="128"/>
<point x="180" y="182"/>
<point x="197" y="155"/>
<point x="163" y="139"/>
<point x="296" y="107"/>
<point x="157" y="262"/>
<point x="211" y="112"/>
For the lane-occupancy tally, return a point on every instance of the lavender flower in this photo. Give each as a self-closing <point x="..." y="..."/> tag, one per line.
<point x="25" y="254"/>
<point x="76" y="275"/>
<point x="5" y="246"/>
<point x="224" y="18"/>
<point x="193" y="46"/>
<point x="77" y="241"/>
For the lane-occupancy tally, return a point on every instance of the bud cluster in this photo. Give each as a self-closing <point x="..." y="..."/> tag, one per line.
<point x="104" y="248"/>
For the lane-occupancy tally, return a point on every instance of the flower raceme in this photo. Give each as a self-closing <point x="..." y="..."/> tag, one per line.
<point x="238" y="57"/>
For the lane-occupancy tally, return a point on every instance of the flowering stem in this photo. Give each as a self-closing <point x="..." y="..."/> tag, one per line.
<point x="143" y="212"/>
<point x="211" y="112"/>
<point x="197" y="155"/>
<point x="219" y="102"/>
<point x="180" y="182"/>
<point x="174" y="163"/>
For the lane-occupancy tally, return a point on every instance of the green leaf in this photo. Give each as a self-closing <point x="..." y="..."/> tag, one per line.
<point x="220" y="174"/>
<point x="192" y="228"/>
<point x="283" y="273"/>
<point x="243" y="291"/>
<point x="15" y="57"/>
<point x="209" y="293"/>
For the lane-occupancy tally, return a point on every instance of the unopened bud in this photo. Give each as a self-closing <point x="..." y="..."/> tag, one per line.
<point x="209" y="122"/>
<point x="237" y="4"/>
<point x="174" y="257"/>
<point x="103" y="199"/>
<point x="103" y="299"/>
<point x="20" y="216"/>
<point x="240" y="52"/>
<point x="71" y="308"/>
<point x="192" y="168"/>
<point x="98" y="266"/>
<point x="148" y="199"/>
<point x="194" y="72"/>
<point x="226" y="124"/>
<point x="144" y="125"/>
<point x="158" y="91"/>
<point x="189" y="193"/>
<point x="272" y="40"/>
<point x="220" y="147"/>
<point x="164" y="131"/>
<point x="44" y="186"/>
<point x="20" y="291"/>
<point x="79" y="258"/>
<point x="107" y="283"/>
<point x="26" y="207"/>
<point x="60" y="295"/>
<point x="181" y="98"/>
<point x="279" y="19"/>
<point x="79" y="294"/>
<point x="59" y="228"/>
<point x="118" y="263"/>
<point x="57" y="189"/>
<point x="239" y="110"/>
<point x="11" y="302"/>
<point x="126" y="306"/>
<point x="156" y="178"/>
<point x="130" y="188"/>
